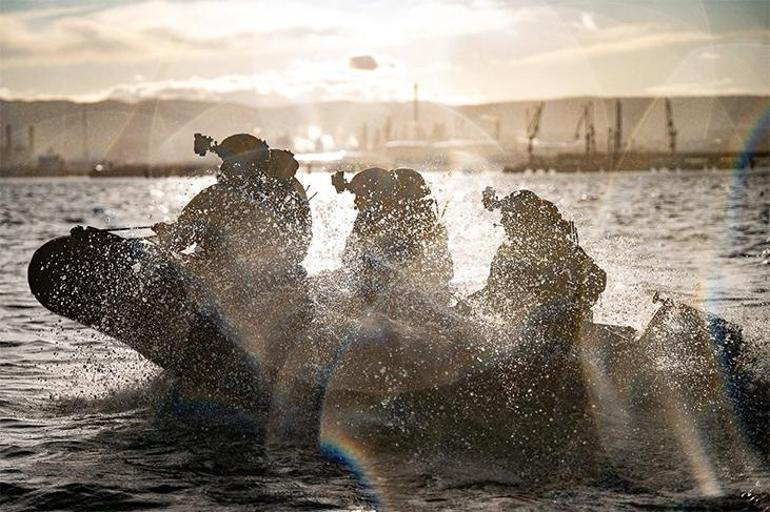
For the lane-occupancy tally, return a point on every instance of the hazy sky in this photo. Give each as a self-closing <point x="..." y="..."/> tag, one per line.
<point x="460" y="52"/>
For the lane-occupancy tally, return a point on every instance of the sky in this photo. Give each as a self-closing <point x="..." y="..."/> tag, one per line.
<point x="460" y="52"/>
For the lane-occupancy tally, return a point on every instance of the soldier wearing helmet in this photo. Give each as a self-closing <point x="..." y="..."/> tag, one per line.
<point x="397" y="239"/>
<point x="540" y="268"/>
<point x="255" y="217"/>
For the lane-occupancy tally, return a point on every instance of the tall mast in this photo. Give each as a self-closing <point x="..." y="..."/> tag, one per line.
<point x="618" y="126"/>
<point x="615" y="139"/>
<point x="670" y="128"/>
<point x="586" y="122"/>
<point x="85" y="132"/>
<point x="533" y="127"/>
<point x="364" y="142"/>
<point x="387" y="129"/>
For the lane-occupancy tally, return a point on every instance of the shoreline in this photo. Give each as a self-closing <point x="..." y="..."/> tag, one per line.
<point x="432" y="170"/>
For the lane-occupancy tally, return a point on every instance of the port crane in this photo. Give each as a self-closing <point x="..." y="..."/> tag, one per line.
<point x="615" y="137"/>
<point x="533" y="126"/>
<point x="670" y="128"/>
<point x="586" y="124"/>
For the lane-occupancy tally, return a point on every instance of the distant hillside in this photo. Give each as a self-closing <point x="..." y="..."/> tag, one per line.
<point x="161" y="131"/>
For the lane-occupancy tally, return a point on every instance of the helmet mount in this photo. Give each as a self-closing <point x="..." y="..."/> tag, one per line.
<point x="240" y="150"/>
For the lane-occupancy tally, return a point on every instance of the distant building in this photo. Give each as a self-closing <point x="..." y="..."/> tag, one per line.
<point x="50" y="163"/>
<point x="12" y="156"/>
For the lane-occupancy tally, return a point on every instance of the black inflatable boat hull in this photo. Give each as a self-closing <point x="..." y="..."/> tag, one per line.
<point x="129" y="290"/>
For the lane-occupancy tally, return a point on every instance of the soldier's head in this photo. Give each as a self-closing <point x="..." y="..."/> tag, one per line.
<point x="372" y="188"/>
<point x="282" y="165"/>
<point x="243" y="154"/>
<point x="524" y="213"/>
<point x="410" y="186"/>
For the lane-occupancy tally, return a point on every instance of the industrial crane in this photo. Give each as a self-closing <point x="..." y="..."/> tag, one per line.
<point x="586" y="123"/>
<point x="670" y="128"/>
<point x="533" y="126"/>
<point x="615" y="137"/>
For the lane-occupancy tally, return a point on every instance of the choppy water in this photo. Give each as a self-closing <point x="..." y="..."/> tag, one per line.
<point x="86" y="424"/>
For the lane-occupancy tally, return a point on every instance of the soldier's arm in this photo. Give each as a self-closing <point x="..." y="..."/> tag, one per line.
<point x="191" y="224"/>
<point x="594" y="278"/>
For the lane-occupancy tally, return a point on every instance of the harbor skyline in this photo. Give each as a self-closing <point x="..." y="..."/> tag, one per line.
<point x="151" y="137"/>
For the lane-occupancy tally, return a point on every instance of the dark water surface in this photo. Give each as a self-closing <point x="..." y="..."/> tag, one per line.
<point x="86" y="424"/>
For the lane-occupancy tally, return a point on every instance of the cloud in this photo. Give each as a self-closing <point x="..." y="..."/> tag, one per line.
<point x="154" y="30"/>
<point x="248" y="50"/>
<point x="181" y="43"/>
<point x="587" y="21"/>
<point x="158" y="29"/>
<point x="303" y="82"/>
<point x="708" y="55"/>
<point x="620" y="39"/>
<point x="364" y="62"/>
<point x="698" y="88"/>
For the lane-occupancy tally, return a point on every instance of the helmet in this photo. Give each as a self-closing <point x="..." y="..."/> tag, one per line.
<point x="369" y="182"/>
<point x="283" y="165"/>
<point x="525" y="207"/>
<point x="243" y="147"/>
<point x="372" y="188"/>
<point x="521" y="201"/>
<point x="410" y="184"/>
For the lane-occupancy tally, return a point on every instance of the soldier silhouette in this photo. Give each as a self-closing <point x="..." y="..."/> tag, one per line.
<point x="256" y="216"/>
<point x="539" y="271"/>
<point x="397" y="241"/>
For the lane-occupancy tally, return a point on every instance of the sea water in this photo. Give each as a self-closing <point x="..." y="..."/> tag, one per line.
<point x="87" y="424"/>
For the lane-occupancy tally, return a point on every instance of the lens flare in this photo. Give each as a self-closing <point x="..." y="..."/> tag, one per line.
<point x="731" y="382"/>
<point x="345" y="449"/>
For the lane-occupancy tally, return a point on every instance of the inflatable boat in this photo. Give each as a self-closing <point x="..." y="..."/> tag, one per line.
<point x="443" y="381"/>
